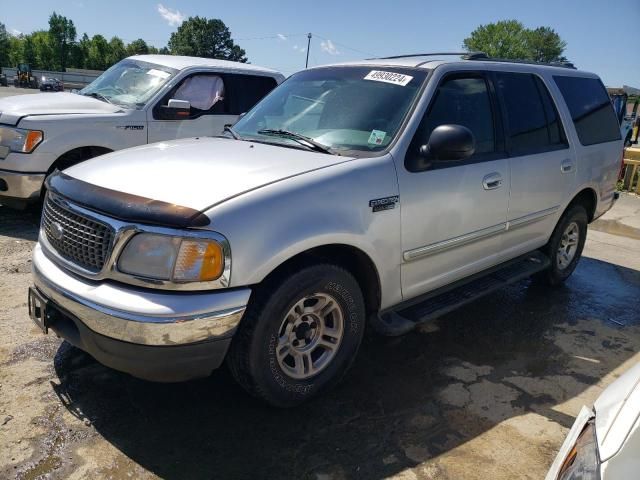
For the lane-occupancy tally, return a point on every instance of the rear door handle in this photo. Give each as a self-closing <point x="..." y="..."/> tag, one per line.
<point x="492" y="181"/>
<point x="566" y="166"/>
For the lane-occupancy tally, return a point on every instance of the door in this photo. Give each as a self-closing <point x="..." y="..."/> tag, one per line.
<point x="217" y="99"/>
<point x="541" y="163"/>
<point x="454" y="212"/>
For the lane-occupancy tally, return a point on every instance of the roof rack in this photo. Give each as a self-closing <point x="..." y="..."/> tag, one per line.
<point x="481" y="56"/>
<point x="486" y="58"/>
<point x="431" y="54"/>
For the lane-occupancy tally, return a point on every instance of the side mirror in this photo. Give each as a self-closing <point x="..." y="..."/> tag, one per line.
<point x="449" y="142"/>
<point x="179" y="104"/>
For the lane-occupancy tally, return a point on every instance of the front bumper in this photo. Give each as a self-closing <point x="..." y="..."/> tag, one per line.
<point x="18" y="189"/>
<point x="156" y="335"/>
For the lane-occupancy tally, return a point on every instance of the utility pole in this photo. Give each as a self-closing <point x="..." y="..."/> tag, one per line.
<point x="306" y="64"/>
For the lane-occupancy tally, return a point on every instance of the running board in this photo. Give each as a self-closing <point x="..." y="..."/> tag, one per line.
<point x="404" y="317"/>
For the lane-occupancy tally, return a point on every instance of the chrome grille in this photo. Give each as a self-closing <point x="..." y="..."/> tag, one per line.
<point x="75" y="237"/>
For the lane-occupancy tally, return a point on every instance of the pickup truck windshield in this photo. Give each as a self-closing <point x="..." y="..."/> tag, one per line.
<point x="130" y="83"/>
<point x="347" y="109"/>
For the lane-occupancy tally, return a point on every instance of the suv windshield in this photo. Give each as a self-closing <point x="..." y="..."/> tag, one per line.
<point x="357" y="109"/>
<point x="129" y="82"/>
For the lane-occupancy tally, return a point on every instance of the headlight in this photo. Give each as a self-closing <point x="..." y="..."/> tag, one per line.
<point x="19" y="139"/>
<point x="177" y="259"/>
<point x="582" y="462"/>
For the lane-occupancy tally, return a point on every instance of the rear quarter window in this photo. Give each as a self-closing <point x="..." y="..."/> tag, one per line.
<point x="590" y="109"/>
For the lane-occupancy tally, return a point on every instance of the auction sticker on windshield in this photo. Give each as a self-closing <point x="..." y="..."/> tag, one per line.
<point x="388" y="77"/>
<point x="377" y="137"/>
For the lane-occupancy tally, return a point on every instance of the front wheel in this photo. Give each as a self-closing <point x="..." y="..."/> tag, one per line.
<point x="565" y="245"/>
<point x="299" y="335"/>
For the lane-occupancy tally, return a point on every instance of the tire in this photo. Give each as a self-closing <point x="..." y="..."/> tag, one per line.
<point x="575" y="219"/>
<point x="258" y="357"/>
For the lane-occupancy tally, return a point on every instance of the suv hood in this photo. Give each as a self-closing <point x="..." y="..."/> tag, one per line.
<point x="12" y="109"/>
<point x="199" y="172"/>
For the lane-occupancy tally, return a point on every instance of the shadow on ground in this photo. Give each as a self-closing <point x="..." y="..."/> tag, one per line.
<point x="392" y="398"/>
<point x="19" y="224"/>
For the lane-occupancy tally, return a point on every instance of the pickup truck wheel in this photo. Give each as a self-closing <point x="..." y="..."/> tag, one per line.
<point x="565" y="246"/>
<point x="299" y="335"/>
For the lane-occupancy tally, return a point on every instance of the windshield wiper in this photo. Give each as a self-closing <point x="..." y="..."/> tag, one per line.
<point x="301" y="139"/>
<point x="234" y="134"/>
<point x="99" y="96"/>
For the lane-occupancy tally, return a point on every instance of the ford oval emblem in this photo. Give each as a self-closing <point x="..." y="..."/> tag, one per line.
<point x="57" y="231"/>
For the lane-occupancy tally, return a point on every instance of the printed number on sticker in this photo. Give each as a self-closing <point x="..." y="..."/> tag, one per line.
<point x="388" y="77"/>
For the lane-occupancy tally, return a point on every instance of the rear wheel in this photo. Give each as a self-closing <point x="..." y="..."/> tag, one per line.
<point x="299" y="336"/>
<point x="565" y="245"/>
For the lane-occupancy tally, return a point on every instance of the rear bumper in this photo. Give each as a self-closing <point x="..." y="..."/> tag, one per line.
<point x="161" y="336"/>
<point x="18" y="189"/>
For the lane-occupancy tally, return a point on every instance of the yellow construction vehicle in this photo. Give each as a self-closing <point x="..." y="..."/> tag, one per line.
<point x="24" y="77"/>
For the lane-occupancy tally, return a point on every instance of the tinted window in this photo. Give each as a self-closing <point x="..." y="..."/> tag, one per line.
<point x="531" y="120"/>
<point x="461" y="101"/>
<point x="554" y="124"/>
<point x="590" y="109"/>
<point x="244" y="91"/>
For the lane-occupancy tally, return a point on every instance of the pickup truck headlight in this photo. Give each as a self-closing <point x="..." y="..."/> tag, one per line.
<point x="177" y="259"/>
<point x="19" y="139"/>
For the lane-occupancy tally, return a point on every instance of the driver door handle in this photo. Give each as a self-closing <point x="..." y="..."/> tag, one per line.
<point x="492" y="181"/>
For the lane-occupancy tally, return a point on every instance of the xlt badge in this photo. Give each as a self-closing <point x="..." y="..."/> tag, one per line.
<point x="385" y="203"/>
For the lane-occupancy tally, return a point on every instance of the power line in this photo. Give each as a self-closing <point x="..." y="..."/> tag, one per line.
<point x="346" y="46"/>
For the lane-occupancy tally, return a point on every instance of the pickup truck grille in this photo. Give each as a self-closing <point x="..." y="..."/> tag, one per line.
<point x="77" y="238"/>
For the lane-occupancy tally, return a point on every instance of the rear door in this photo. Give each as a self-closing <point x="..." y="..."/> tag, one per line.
<point x="542" y="165"/>
<point x="217" y="99"/>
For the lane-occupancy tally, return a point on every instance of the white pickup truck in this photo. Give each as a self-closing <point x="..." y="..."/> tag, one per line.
<point x="142" y="99"/>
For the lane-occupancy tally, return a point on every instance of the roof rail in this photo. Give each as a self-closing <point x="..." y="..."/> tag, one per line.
<point x="486" y="58"/>
<point x="459" y="54"/>
<point x="481" y="56"/>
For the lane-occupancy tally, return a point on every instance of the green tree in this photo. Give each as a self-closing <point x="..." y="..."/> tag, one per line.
<point x="39" y="51"/>
<point x="117" y="50"/>
<point x="545" y="45"/>
<point x="63" y="35"/>
<point x="16" y="50"/>
<point x="97" y="53"/>
<point x="511" y="40"/>
<point x="5" y="45"/>
<point x="202" y="37"/>
<point x="137" y="47"/>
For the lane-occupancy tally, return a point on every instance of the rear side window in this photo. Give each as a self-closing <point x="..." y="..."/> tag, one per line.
<point x="590" y="109"/>
<point x="532" y="123"/>
<point x="244" y="91"/>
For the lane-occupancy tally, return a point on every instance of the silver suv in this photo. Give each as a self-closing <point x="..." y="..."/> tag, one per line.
<point x="377" y="194"/>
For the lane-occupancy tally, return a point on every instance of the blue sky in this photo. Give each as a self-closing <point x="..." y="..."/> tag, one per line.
<point x="602" y="36"/>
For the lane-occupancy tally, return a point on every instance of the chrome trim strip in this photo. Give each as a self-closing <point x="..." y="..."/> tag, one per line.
<point x="123" y="233"/>
<point x="142" y="329"/>
<point x="532" y="217"/>
<point x="455" y="242"/>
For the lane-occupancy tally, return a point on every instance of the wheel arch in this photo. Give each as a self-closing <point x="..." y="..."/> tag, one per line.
<point x="353" y="259"/>
<point x="588" y="198"/>
<point x="77" y="155"/>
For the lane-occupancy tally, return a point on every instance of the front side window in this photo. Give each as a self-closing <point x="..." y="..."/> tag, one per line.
<point x="349" y="109"/>
<point x="531" y="120"/>
<point x="202" y="91"/>
<point x="459" y="100"/>
<point x="590" y="109"/>
<point x="130" y="83"/>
